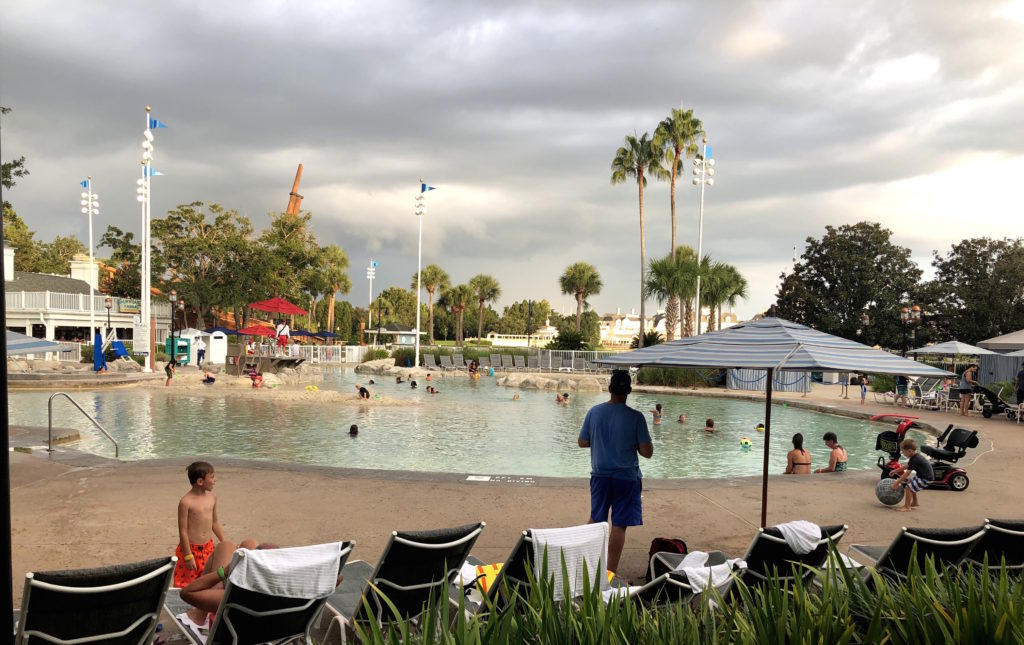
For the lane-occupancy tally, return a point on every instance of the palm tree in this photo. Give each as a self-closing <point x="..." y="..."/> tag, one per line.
<point x="580" y="280"/>
<point x="638" y="158"/>
<point x="456" y="300"/>
<point x="677" y="137"/>
<point x="485" y="289"/>
<point x="720" y="283"/>
<point x="737" y="288"/>
<point x="334" y="266"/>
<point x="435" y="280"/>
<point x="670" y="277"/>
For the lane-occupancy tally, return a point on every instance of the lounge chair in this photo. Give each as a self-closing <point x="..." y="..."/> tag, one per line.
<point x="533" y="363"/>
<point x="556" y="364"/>
<point x="272" y="595"/>
<point x="1003" y="540"/>
<point x="506" y="363"/>
<point x="446" y="363"/>
<point x="945" y="546"/>
<point x="519" y="362"/>
<point x="545" y="362"/>
<point x="458" y="361"/>
<point x="119" y="351"/>
<point x="579" y="365"/>
<point x="496" y="361"/>
<point x="768" y="554"/>
<point x="115" y="604"/>
<point x="415" y="566"/>
<point x="430" y="362"/>
<point x="566" y="365"/>
<point x="483" y="362"/>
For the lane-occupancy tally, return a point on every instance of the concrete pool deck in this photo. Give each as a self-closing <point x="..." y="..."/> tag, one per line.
<point x="71" y="509"/>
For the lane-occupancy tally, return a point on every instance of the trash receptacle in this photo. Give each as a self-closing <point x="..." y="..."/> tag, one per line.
<point x="182" y="352"/>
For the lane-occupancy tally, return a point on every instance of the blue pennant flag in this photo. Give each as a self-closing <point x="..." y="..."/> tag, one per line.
<point x="153" y="172"/>
<point x="424" y="188"/>
<point x="708" y="155"/>
<point x="156" y="123"/>
<point x="85" y="183"/>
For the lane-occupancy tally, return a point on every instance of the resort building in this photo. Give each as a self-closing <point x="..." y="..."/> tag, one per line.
<point x="56" y="307"/>
<point x="618" y="329"/>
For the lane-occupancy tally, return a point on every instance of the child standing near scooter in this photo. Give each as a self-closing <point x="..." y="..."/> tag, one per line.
<point x="914" y="476"/>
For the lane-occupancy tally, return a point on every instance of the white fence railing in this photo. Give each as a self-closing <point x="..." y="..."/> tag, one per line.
<point x="70" y="302"/>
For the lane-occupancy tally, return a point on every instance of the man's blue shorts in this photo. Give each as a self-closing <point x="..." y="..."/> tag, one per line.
<point x="622" y="496"/>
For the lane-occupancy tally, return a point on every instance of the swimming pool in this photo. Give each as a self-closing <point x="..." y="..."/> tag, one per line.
<point x="470" y="427"/>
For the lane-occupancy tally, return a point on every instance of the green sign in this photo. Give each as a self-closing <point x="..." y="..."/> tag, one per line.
<point x="128" y="305"/>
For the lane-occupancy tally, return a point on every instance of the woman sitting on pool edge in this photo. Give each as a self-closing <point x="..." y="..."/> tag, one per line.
<point x="798" y="460"/>
<point x="837" y="458"/>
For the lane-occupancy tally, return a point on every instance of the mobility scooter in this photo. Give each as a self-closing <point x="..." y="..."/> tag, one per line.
<point x="950" y="447"/>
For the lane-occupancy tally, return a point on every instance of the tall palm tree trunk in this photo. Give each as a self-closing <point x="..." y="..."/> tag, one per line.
<point x="643" y="259"/>
<point x="579" y="310"/>
<point x="480" y="322"/>
<point x="430" y="314"/>
<point x="330" y="311"/>
<point x="687" y="318"/>
<point x="672" y="306"/>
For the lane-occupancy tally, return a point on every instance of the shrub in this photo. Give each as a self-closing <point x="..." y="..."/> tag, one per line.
<point x="651" y="337"/>
<point x="675" y="376"/>
<point x="883" y="383"/>
<point x="568" y="339"/>
<point x="375" y="354"/>
<point x="403" y="357"/>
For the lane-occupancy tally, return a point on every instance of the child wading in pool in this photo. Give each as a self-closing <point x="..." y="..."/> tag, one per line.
<point x="656" y="414"/>
<point x="709" y="425"/>
<point x="197" y="524"/>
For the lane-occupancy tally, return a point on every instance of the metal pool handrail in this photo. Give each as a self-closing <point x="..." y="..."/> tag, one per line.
<point x="49" y="404"/>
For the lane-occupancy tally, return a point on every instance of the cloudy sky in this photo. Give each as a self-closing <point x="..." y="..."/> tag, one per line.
<point x="905" y="113"/>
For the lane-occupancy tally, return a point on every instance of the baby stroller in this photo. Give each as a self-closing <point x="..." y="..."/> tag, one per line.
<point x="993" y="404"/>
<point x="943" y="455"/>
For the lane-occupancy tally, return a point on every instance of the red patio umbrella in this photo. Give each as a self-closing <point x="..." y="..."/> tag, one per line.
<point x="256" y="330"/>
<point x="278" y="306"/>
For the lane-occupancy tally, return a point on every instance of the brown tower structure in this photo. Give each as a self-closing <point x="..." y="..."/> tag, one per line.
<point x="294" y="198"/>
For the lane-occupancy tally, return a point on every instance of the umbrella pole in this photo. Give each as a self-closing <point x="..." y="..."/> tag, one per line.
<point x="767" y="440"/>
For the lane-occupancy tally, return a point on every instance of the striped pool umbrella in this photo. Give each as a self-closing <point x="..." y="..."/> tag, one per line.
<point x="951" y="347"/>
<point x="773" y="345"/>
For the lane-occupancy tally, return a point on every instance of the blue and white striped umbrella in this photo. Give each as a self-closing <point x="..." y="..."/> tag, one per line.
<point x="22" y="344"/>
<point x="776" y="344"/>
<point x="773" y="344"/>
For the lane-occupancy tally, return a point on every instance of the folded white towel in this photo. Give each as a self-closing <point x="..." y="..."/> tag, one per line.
<point x="700" y="576"/>
<point x="801" y="536"/>
<point x="298" y="572"/>
<point x="579" y="545"/>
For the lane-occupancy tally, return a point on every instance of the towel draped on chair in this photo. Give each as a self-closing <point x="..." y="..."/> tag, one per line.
<point x="801" y="536"/>
<point x="297" y="572"/>
<point x="578" y="545"/>
<point x="700" y="576"/>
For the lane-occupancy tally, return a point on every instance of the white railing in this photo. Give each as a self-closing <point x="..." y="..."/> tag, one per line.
<point x="70" y="302"/>
<point x="329" y="353"/>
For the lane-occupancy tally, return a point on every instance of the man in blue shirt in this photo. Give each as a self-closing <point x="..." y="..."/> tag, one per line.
<point x="616" y="434"/>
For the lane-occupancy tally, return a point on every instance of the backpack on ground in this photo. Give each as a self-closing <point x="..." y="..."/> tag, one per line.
<point x="664" y="545"/>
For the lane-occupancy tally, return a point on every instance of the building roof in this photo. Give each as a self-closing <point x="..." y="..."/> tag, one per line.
<point x="1012" y="341"/>
<point x="24" y="281"/>
<point x="393" y="328"/>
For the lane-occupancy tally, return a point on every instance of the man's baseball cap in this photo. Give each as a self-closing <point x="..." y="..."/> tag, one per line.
<point x="620" y="383"/>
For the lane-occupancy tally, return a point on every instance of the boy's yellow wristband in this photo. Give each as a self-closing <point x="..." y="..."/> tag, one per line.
<point x="190" y="557"/>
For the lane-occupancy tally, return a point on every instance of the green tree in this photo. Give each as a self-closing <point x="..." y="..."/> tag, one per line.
<point x="456" y="299"/>
<point x="334" y="267"/>
<point x="55" y="257"/>
<point x="343" y="319"/>
<point x="978" y="290"/>
<point x="18" y="235"/>
<point x="673" y="276"/>
<point x="852" y="269"/>
<point x="292" y="252"/>
<point x="637" y="159"/>
<point x="677" y="136"/>
<point x="400" y="303"/>
<point x="485" y="289"/>
<point x="516" y="319"/>
<point x="9" y="171"/>
<point x="126" y="258"/>
<point x="435" y="280"/>
<point x="721" y="284"/>
<point x="580" y="280"/>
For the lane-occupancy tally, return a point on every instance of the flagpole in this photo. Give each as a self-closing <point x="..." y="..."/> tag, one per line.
<point x="92" y="267"/>
<point x="419" y="270"/>
<point x="147" y="260"/>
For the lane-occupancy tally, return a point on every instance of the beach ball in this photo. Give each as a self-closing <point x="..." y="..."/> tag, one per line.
<point x="744" y="443"/>
<point x="885" y="493"/>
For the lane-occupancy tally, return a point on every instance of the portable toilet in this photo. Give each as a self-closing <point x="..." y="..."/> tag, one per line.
<point x="216" y="347"/>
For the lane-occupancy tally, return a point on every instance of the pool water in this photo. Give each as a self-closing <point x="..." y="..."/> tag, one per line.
<point x="470" y="427"/>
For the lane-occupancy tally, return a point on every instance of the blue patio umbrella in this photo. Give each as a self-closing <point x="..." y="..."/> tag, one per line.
<point x="773" y="345"/>
<point x="99" y="361"/>
<point x="302" y="333"/>
<point x="223" y="330"/>
<point x="327" y="334"/>
<point x="22" y="344"/>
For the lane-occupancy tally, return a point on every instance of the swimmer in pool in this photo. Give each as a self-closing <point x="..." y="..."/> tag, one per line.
<point x="656" y="414"/>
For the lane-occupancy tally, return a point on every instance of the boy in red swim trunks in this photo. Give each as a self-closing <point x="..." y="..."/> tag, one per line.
<point x="197" y="524"/>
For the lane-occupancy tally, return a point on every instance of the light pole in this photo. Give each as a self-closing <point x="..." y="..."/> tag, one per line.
<point x="371" y="271"/>
<point x="703" y="175"/>
<point x="174" y="345"/>
<point x="911" y="316"/>
<point x="145" y="198"/>
<point x="90" y="207"/>
<point x="421" y="210"/>
<point x="529" y="323"/>
<point x="107" y="303"/>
